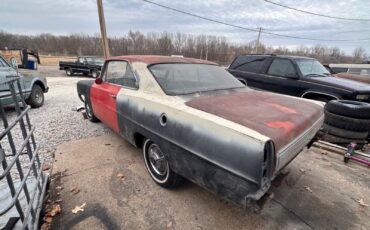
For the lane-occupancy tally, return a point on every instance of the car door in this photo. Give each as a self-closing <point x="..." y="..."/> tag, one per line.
<point x="81" y="65"/>
<point x="282" y="77"/>
<point x="116" y="74"/>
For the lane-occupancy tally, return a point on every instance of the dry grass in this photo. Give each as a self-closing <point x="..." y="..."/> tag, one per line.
<point x="54" y="60"/>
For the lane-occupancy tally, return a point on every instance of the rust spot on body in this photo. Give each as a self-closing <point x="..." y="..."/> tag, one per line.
<point x="283" y="108"/>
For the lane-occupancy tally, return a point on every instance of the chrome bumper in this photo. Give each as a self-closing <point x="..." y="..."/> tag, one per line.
<point x="289" y="152"/>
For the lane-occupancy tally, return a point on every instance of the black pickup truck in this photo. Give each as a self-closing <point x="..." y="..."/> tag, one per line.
<point x="296" y="76"/>
<point x="85" y="65"/>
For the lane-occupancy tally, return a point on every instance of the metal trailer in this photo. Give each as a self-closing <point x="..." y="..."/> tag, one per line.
<point x="26" y="183"/>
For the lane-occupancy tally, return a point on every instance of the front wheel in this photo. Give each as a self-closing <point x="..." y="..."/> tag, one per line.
<point x="90" y="113"/>
<point x="158" y="166"/>
<point x="36" y="99"/>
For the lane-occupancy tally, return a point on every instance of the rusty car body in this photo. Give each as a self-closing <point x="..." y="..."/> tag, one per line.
<point x="201" y="123"/>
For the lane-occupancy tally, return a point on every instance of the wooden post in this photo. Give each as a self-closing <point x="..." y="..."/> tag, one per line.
<point x="103" y="30"/>
<point x="258" y="39"/>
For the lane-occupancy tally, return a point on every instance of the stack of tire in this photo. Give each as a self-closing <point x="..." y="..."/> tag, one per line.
<point x="346" y="122"/>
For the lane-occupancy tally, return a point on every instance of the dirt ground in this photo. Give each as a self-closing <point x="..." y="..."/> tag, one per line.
<point x="320" y="191"/>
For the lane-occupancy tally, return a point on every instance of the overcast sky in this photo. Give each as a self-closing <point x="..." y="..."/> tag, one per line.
<point x="65" y="17"/>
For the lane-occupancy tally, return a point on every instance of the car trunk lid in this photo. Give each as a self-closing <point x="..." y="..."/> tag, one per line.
<point x="278" y="117"/>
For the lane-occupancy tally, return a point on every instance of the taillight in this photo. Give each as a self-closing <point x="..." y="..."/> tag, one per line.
<point x="269" y="158"/>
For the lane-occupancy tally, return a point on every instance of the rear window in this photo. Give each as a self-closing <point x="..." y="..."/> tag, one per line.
<point x="251" y="64"/>
<point x="178" y="79"/>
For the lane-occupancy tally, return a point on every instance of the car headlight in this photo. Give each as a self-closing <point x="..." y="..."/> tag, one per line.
<point x="362" y="97"/>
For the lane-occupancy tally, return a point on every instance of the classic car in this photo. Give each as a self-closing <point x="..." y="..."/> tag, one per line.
<point x="194" y="120"/>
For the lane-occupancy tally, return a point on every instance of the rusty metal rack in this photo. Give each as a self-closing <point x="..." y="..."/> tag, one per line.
<point x="25" y="181"/>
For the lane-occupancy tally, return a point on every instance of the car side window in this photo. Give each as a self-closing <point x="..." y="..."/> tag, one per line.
<point x="281" y="67"/>
<point x="120" y="73"/>
<point x="81" y="60"/>
<point x="252" y="66"/>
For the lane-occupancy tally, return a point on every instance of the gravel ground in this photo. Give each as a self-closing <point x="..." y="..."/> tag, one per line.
<point x="57" y="121"/>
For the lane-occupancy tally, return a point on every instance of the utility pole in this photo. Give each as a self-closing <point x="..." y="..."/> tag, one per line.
<point x="258" y="39"/>
<point x="103" y="30"/>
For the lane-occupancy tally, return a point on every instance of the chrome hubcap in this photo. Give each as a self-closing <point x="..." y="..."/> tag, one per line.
<point x="88" y="110"/>
<point x="38" y="97"/>
<point x="157" y="160"/>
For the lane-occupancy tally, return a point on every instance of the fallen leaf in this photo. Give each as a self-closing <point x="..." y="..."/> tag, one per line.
<point x="44" y="226"/>
<point x="324" y="153"/>
<point x="75" y="190"/>
<point x="308" y="188"/>
<point x="362" y="203"/>
<point x="45" y="167"/>
<point x="120" y="176"/>
<point x="302" y="170"/>
<point x="78" y="208"/>
<point x="48" y="219"/>
<point x="55" y="210"/>
<point x="169" y="225"/>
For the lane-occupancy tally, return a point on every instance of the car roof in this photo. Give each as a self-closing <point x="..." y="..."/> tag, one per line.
<point x="156" y="59"/>
<point x="275" y="55"/>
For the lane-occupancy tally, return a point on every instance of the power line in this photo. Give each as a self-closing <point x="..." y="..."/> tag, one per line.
<point x="317" y="14"/>
<point x="250" y="29"/>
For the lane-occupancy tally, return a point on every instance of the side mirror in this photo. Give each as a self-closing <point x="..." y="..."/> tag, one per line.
<point x="13" y="63"/>
<point x="291" y="75"/>
<point x="98" y="81"/>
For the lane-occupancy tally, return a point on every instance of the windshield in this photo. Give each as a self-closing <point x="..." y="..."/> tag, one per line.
<point x="311" y="67"/>
<point x="177" y="79"/>
<point x="95" y="61"/>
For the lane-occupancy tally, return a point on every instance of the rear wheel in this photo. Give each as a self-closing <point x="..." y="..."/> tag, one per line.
<point x="158" y="165"/>
<point x="95" y="73"/>
<point x="36" y="99"/>
<point x="90" y="113"/>
<point x="69" y="72"/>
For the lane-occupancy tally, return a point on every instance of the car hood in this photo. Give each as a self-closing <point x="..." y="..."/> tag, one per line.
<point x="278" y="117"/>
<point x="342" y="83"/>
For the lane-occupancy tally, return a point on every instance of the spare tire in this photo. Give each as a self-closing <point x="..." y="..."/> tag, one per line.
<point x="340" y="140"/>
<point x="354" y="109"/>
<point x="343" y="122"/>
<point x="345" y="133"/>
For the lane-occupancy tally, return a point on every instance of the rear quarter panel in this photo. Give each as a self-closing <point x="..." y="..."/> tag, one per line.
<point x="217" y="158"/>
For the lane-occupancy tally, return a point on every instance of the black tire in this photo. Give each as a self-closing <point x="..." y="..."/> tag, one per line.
<point x="69" y="72"/>
<point x="95" y="73"/>
<point x="160" y="170"/>
<point x="36" y="98"/>
<point x="90" y="113"/>
<point x="354" y="109"/>
<point x="342" y="122"/>
<point x="345" y="133"/>
<point x="340" y="140"/>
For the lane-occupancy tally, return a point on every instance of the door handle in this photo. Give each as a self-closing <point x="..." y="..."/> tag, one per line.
<point x="113" y="96"/>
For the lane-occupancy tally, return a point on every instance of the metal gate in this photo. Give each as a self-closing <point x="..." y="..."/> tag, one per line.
<point x="25" y="182"/>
